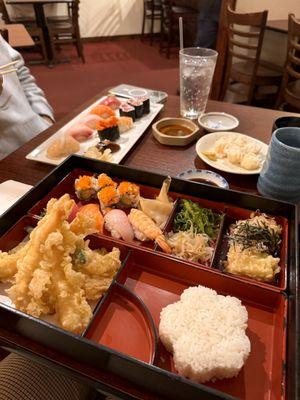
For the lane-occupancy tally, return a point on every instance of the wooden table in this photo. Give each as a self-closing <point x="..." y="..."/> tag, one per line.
<point x="18" y="35"/>
<point x="278" y="25"/>
<point x="41" y="19"/>
<point x="149" y="155"/>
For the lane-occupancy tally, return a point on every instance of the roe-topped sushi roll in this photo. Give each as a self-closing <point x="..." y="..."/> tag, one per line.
<point x="108" y="198"/>
<point x="129" y="194"/>
<point x="86" y="187"/>
<point x="104" y="181"/>
<point x="108" y="129"/>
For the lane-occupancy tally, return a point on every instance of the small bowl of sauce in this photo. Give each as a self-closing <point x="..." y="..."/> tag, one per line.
<point x="204" y="176"/>
<point x="175" y="131"/>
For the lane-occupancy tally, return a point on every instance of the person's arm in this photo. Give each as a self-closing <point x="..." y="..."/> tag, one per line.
<point x="33" y="93"/>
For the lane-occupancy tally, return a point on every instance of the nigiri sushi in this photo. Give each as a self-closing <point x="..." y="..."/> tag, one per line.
<point x="90" y="120"/>
<point x="125" y="124"/>
<point x="129" y="194"/>
<point x="92" y="211"/>
<point x="108" y="198"/>
<point x="103" y="112"/>
<point x="80" y="132"/>
<point x="111" y="102"/>
<point x="62" y="147"/>
<point x="116" y="222"/>
<point x="85" y="187"/>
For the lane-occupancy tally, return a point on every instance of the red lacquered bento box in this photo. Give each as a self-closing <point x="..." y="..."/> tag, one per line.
<point x="122" y="337"/>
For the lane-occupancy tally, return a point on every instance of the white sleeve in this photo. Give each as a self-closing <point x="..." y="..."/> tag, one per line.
<point x="33" y="93"/>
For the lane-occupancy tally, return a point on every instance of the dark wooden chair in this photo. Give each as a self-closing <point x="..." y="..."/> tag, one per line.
<point x="34" y="31"/>
<point x="67" y="32"/>
<point x="62" y="18"/>
<point x="289" y="93"/>
<point x="245" y="39"/>
<point x="152" y="12"/>
<point x="169" y="24"/>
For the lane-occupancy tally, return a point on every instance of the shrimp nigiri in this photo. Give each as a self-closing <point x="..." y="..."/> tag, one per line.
<point x="145" y="228"/>
<point x="116" y="222"/>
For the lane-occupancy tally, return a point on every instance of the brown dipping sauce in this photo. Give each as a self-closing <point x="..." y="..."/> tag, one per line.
<point x="206" y="181"/>
<point x="176" y="130"/>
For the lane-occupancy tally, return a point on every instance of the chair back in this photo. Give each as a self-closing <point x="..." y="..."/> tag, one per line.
<point x="75" y="11"/>
<point x="245" y="35"/>
<point x="3" y="11"/>
<point x="292" y="67"/>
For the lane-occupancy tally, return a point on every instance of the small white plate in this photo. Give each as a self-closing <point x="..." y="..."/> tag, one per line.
<point x="10" y="192"/>
<point x="207" y="142"/>
<point x="211" y="176"/>
<point x="218" y="122"/>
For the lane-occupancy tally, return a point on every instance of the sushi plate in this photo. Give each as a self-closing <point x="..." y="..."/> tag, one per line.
<point x="207" y="142"/>
<point x="126" y="141"/>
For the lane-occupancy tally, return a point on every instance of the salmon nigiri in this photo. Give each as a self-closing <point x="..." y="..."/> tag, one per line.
<point x="92" y="211"/>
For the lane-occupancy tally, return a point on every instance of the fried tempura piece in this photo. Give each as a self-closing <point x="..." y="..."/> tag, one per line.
<point x="20" y="293"/>
<point x="8" y="262"/>
<point x="99" y="268"/>
<point x="55" y="271"/>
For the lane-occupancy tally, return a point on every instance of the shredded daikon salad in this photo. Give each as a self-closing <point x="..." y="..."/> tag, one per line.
<point x="191" y="246"/>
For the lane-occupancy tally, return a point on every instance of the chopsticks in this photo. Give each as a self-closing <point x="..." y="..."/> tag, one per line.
<point x="4" y="70"/>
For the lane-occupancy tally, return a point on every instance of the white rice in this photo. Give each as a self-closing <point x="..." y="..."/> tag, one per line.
<point x="206" y="334"/>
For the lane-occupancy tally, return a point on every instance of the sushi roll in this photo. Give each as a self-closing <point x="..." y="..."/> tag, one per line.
<point x="103" y="111"/>
<point x="146" y="105"/>
<point x="104" y="180"/>
<point x="111" y="102"/>
<point x="108" y="198"/>
<point x="85" y="187"/>
<point x="108" y="129"/>
<point x="138" y="107"/>
<point x="129" y="194"/>
<point x="125" y="124"/>
<point x="117" y="223"/>
<point x="127" y="111"/>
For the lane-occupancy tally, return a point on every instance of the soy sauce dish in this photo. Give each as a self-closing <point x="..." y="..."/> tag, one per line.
<point x="204" y="176"/>
<point x="175" y="131"/>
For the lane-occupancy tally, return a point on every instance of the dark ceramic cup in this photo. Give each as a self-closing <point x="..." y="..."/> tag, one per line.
<point x="286" y="122"/>
<point x="280" y="175"/>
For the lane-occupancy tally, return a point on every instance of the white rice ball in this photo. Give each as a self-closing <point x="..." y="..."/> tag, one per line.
<point x="206" y="334"/>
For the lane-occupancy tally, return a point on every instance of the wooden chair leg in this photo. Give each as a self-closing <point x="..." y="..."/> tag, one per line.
<point x="169" y="39"/>
<point x="225" y="83"/>
<point x="152" y="26"/>
<point x="251" y="93"/>
<point x="143" y="25"/>
<point x="52" y="44"/>
<point x="79" y="47"/>
<point x="43" y="48"/>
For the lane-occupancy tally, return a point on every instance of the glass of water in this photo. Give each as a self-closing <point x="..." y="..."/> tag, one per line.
<point x="197" y="66"/>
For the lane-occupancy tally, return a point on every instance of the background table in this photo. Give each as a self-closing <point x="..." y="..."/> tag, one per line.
<point x="278" y="25"/>
<point x="18" y="35"/>
<point x="148" y="153"/>
<point x="40" y="17"/>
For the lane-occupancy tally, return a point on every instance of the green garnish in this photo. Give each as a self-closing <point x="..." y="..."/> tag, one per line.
<point x="199" y="219"/>
<point x="79" y="257"/>
<point x="260" y="237"/>
<point x="28" y="229"/>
